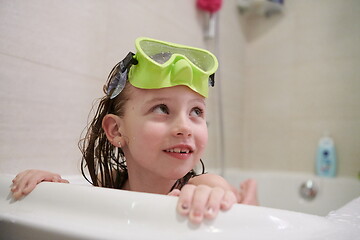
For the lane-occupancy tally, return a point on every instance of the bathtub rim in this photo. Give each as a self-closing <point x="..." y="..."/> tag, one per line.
<point x="33" y="204"/>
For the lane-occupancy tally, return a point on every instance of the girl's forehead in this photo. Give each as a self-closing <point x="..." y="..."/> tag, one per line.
<point x="182" y="92"/>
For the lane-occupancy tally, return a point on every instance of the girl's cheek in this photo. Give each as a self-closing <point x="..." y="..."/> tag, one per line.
<point x="205" y="136"/>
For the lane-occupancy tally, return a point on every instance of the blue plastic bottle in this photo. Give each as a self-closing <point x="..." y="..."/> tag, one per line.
<point x="326" y="158"/>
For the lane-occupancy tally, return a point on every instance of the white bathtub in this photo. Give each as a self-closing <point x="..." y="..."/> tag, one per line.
<point x="281" y="190"/>
<point x="70" y="211"/>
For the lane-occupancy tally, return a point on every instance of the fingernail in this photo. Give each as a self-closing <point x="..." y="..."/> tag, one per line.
<point x="224" y="204"/>
<point x="210" y="211"/>
<point x="184" y="206"/>
<point x="16" y="195"/>
<point x="196" y="213"/>
<point x="196" y="217"/>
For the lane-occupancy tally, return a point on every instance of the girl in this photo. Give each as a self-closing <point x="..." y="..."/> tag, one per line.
<point x="149" y="132"/>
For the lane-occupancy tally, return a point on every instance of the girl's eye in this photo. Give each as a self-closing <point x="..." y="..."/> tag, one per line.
<point x="161" y="109"/>
<point x="196" y="112"/>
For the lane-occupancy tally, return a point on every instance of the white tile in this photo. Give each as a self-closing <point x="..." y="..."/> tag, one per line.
<point x="43" y="112"/>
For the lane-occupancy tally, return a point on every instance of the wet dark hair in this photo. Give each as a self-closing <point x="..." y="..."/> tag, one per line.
<point x="105" y="162"/>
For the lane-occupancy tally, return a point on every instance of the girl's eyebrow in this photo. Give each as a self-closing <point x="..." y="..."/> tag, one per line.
<point x="156" y="99"/>
<point x="149" y="103"/>
<point x="200" y="100"/>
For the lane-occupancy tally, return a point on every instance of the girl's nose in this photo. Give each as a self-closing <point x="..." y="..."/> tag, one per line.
<point x="182" y="127"/>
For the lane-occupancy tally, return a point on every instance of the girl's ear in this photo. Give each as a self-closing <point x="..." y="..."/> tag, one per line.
<point x="111" y="126"/>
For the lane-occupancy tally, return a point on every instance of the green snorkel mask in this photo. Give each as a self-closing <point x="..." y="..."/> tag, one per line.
<point x="159" y="64"/>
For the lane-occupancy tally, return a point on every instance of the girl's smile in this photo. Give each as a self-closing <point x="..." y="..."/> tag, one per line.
<point x="180" y="151"/>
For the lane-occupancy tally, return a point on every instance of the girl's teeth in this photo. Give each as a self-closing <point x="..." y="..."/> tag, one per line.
<point x="179" y="150"/>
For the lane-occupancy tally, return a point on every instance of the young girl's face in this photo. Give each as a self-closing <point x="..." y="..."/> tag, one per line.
<point x="165" y="131"/>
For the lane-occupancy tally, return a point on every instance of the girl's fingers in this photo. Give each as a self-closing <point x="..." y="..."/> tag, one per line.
<point x="213" y="204"/>
<point x="199" y="203"/>
<point x="23" y="184"/>
<point x="228" y="200"/>
<point x="55" y="178"/>
<point x="63" y="181"/>
<point x="28" y="188"/>
<point x="16" y="178"/>
<point x="20" y="182"/>
<point x="249" y="192"/>
<point x="174" y="193"/>
<point x="27" y="180"/>
<point x="185" y="199"/>
<point x="17" y="195"/>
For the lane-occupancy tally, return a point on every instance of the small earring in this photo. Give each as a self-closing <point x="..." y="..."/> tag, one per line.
<point x="119" y="143"/>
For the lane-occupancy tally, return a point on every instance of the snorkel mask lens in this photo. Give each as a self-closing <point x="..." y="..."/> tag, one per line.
<point x="162" y="64"/>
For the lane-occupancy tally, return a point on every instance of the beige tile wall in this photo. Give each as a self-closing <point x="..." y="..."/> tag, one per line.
<point x="301" y="80"/>
<point x="54" y="59"/>
<point x="283" y="80"/>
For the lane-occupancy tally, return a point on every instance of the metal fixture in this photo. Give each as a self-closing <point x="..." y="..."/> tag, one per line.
<point x="308" y="190"/>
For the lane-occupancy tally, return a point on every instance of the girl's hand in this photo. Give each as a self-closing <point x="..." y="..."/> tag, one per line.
<point x="202" y="201"/>
<point x="27" y="180"/>
<point x="248" y="192"/>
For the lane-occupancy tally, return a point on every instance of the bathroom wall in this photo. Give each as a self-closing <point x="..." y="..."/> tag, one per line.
<point x="54" y="59"/>
<point x="284" y="80"/>
<point x="301" y="79"/>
